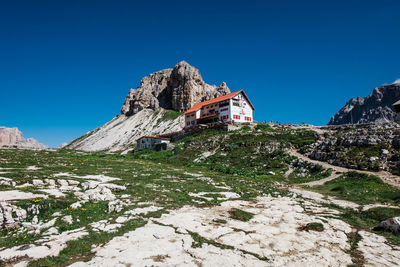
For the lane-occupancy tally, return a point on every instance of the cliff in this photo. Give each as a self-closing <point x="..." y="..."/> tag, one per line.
<point x="375" y="108"/>
<point x="13" y="138"/>
<point x="177" y="89"/>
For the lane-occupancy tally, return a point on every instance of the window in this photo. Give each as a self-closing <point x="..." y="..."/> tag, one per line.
<point x="188" y="123"/>
<point x="192" y="122"/>
<point x="223" y="104"/>
<point x="223" y="109"/>
<point x="236" y="117"/>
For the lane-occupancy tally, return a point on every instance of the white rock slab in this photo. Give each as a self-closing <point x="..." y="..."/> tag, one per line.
<point x="18" y="195"/>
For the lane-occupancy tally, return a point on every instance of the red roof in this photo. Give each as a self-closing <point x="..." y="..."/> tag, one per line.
<point x="216" y="100"/>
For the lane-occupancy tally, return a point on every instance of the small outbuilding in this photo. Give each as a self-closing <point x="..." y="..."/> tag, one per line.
<point x="152" y="142"/>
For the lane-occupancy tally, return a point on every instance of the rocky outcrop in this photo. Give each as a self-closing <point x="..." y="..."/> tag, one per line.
<point x="390" y="225"/>
<point x="13" y="138"/>
<point x="177" y="89"/>
<point x="375" y="108"/>
<point x="10" y="136"/>
<point x="372" y="147"/>
<point x="10" y="215"/>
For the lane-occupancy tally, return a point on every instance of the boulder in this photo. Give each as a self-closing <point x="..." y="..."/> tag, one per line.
<point x="390" y="225"/>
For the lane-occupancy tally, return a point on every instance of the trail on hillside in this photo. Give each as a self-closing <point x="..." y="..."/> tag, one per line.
<point x="385" y="176"/>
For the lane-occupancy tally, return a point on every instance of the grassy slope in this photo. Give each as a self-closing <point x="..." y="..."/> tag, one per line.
<point x="362" y="189"/>
<point x="164" y="178"/>
<point x="253" y="153"/>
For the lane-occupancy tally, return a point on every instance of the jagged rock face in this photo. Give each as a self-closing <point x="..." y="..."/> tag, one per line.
<point x="10" y="136"/>
<point x="179" y="89"/>
<point x="375" y="108"/>
<point x="13" y="138"/>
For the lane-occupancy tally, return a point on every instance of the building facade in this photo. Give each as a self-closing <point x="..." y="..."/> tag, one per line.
<point x="152" y="142"/>
<point x="231" y="108"/>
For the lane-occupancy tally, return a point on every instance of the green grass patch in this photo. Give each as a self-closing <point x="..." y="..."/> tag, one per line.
<point x="171" y="114"/>
<point x="241" y="215"/>
<point x="361" y="188"/>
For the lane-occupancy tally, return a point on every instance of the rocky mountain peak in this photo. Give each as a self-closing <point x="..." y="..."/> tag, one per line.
<point x="177" y="89"/>
<point x="13" y="138"/>
<point x="375" y="108"/>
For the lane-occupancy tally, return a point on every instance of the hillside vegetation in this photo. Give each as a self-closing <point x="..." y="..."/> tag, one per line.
<point x="218" y="196"/>
<point x="258" y="153"/>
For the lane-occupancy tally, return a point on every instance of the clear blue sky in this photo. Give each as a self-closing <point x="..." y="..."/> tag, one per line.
<point x="66" y="66"/>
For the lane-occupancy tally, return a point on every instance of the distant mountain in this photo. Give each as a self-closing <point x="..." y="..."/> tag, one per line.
<point x="13" y="138"/>
<point x="152" y="108"/>
<point x="375" y="108"/>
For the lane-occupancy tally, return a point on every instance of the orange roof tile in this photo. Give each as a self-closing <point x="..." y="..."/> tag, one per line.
<point x="216" y="100"/>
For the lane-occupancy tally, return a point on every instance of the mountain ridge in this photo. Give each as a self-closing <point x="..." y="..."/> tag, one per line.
<point x="13" y="138"/>
<point x="374" y="108"/>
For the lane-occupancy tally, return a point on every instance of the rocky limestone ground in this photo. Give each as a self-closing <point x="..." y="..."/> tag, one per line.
<point x="76" y="208"/>
<point x="13" y="138"/>
<point x="375" y="108"/>
<point x="372" y="147"/>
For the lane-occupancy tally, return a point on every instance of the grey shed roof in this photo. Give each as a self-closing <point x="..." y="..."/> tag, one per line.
<point x="396" y="103"/>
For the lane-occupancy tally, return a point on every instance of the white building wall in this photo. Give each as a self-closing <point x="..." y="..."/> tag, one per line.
<point x="209" y="109"/>
<point x="227" y="113"/>
<point x="143" y="143"/>
<point x="190" y="119"/>
<point x="149" y="142"/>
<point x="240" y="113"/>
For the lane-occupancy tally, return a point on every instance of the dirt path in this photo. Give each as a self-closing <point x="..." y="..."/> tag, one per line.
<point x="385" y="176"/>
<point x="334" y="175"/>
<point x="318" y="129"/>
